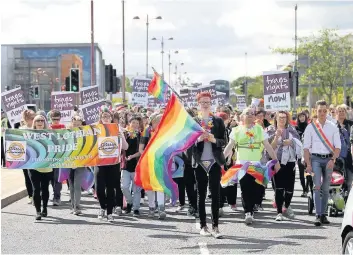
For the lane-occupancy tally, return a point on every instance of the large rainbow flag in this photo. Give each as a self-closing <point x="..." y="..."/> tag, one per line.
<point x="176" y="132"/>
<point x="261" y="173"/>
<point x="158" y="87"/>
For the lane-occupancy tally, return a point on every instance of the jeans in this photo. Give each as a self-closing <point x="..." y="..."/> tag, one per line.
<point x="320" y="170"/>
<point x="213" y="180"/>
<point x="57" y="186"/>
<point x="154" y="197"/>
<point x="40" y="183"/>
<point x="75" y="181"/>
<point x="127" y="181"/>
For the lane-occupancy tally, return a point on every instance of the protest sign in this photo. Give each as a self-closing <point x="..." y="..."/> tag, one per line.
<point x="91" y="145"/>
<point x="241" y="102"/>
<point x="277" y="89"/>
<point x="14" y="104"/>
<point x="90" y="112"/>
<point x="89" y="95"/>
<point x="140" y="91"/>
<point x="64" y="102"/>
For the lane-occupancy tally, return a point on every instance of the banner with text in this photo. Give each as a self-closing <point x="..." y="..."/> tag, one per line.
<point x="241" y="102"/>
<point x="90" y="112"/>
<point x="89" y="95"/>
<point x="221" y="98"/>
<point x="140" y="91"/>
<point x="277" y="89"/>
<point x="91" y="145"/>
<point x="14" y="104"/>
<point x="64" y="102"/>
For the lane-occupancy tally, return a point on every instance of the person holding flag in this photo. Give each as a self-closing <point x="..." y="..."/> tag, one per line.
<point x="209" y="158"/>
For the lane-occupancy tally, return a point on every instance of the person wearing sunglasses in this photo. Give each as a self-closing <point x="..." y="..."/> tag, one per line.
<point x="40" y="178"/>
<point x="249" y="140"/>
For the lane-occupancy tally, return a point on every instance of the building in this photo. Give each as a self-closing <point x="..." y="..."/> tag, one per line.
<point x="47" y="65"/>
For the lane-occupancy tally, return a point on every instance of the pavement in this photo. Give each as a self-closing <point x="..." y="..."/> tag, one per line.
<point x="62" y="232"/>
<point x="12" y="186"/>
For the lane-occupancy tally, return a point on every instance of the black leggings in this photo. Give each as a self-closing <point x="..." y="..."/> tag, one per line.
<point x="202" y="181"/>
<point x="40" y="183"/>
<point x="301" y="175"/>
<point x="29" y="185"/>
<point x="118" y="192"/>
<point x="105" y="183"/>
<point x="189" y="180"/>
<point x="3" y="159"/>
<point x="284" y="182"/>
<point x="181" y="189"/>
<point x="249" y="193"/>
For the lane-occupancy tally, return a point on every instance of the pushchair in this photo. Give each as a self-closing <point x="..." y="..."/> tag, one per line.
<point x="337" y="192"/>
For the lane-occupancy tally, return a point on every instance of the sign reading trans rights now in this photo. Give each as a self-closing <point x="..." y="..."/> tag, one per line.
<point x="277" y="87"/>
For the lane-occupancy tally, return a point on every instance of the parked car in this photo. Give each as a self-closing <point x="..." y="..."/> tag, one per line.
<point x="347" y="226"/>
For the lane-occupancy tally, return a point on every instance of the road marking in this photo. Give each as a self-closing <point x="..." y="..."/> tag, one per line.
<point x="203" y="249"/>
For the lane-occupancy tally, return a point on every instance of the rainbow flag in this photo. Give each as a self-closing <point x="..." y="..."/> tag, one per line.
<point x="158" y="88"/>
<point x="261" y="173"/>
<point x="176" y="132"/>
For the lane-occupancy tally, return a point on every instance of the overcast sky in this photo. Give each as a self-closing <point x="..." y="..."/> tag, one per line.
<point x="211" y="36"/>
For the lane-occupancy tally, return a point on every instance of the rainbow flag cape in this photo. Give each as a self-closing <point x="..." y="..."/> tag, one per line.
<point x="158" y="88"/>
<point x="261" y="173"/>
<point x="176" y="132"/>
<point x="86" y="182"/>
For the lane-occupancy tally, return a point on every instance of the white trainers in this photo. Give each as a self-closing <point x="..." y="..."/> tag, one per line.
<point x="118" y="211"/>
<point x="151" y="213"/>
<point x="180" y="208"/>
<point x="162" y="215"/>
<point x="279" y="217"/>
<point x="248" y="218"/>
<point x="205" y="232"/>
<point x="220" y="212"/>
<point x="289" y="212"/>
<point x="101" y="214"/>
<point x="110" y="218"/>
<point x="216" y="234"/>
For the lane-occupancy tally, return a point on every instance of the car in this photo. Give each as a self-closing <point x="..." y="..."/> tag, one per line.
<point x="347" y="226"/>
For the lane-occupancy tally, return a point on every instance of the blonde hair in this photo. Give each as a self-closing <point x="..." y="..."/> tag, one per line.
<point x="26" y="114"/>
<point x="247" y="109"/>
<point x="342" y="107"/>
<point x="37" y="117"/>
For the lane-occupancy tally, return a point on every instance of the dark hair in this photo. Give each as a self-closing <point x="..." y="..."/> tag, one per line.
<point x="55" y="113"/>
<point x="261" y="110"/>
<point x="135" y="117"/>
<point x="321" y="102"/>
<point x="226" y="110"/>
<point x="282" y="112"/>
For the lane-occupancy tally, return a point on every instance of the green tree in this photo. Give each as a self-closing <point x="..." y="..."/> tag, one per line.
<point x="328" y="53"/>
<point x="255" y="87"/>
<point x="128" y="85"/>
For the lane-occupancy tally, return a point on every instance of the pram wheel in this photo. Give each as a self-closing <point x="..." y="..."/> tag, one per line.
<point x="332" y="212"/>
<point x="310" y="205"/>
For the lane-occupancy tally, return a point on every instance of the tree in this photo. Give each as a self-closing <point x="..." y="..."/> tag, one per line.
<point x="128" y="87"/>
<point x="254" y="84"/>
<point x="327" y="53"/>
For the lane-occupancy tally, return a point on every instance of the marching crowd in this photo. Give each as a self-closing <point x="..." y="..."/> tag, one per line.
<point x="315" y="143"/>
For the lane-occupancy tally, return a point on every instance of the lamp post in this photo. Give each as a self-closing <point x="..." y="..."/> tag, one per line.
<point x="147" y="26"/>
<point x="123" y="24"/>
<point x="92" y="45"/>
<point x="176" y="72"/>
<point x="295" y="70"/>
<point x="162" y="52"/>
<point x="170" y="63"/>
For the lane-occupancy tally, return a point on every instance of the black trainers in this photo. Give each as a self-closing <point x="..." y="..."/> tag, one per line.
<point x="324" y="219"/>
<point x="44" y="212"/>
<point x="128" y="208"/>
<point x="136" y="213"/>
<point x="317" y="222"/>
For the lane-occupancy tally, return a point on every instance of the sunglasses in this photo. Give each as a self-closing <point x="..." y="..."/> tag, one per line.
<point x="205" y="103"/>
<point x="39" y="120"/>
<point x="55" y="119"/>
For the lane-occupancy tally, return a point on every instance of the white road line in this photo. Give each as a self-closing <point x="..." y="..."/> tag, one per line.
<point x="204" y="249"/>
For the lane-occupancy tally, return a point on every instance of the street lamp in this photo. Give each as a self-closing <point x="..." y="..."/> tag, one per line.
<point x="162" y="52"/>
<point x="175" y="52"/>
<point x="147" y="25"/>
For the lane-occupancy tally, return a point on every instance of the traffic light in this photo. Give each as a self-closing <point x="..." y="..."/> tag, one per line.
<point x="67" y="83"/>
<point x="74" y="79"/>
<point x="108" y="78"/>
<point x="242" y="87"/>
<point x="31" y="92"/>
<point x="36" y="92"/>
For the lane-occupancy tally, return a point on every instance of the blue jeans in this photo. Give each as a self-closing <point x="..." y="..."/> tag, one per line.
<point x="321" y="172"/>
<point x="127" y="182"/>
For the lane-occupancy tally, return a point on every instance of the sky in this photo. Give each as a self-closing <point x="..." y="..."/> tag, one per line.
<point x="211" y="36"/>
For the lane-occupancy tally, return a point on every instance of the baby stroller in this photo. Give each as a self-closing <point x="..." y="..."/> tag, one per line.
<point x="336" y="201"/>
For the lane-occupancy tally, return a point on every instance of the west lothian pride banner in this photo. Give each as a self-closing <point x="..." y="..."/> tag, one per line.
<point x="92" y="145"/>
<point x="176" y="132"/>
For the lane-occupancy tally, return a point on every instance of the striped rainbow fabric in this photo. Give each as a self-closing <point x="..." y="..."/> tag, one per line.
<point x="176" y="132"/>
<point x="158" y="88"/>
